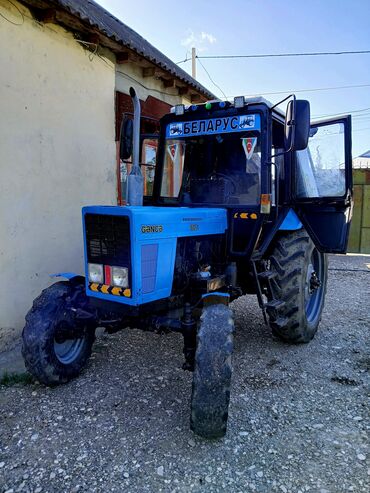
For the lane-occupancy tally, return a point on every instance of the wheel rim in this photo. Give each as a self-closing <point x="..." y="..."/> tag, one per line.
<point x="314" y="285"/>
<point x="68" y="350"/>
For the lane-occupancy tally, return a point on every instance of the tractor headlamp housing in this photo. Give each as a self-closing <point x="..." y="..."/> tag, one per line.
<point x="179" y="109"/>
<point x="239" y="101"/>
<point x="96" y="273"/>
<point x="120" y="277"/>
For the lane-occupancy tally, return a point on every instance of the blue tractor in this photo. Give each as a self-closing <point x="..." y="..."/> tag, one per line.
<point x="246" y="199"/>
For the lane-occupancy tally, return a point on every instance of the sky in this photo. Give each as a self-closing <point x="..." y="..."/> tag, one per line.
<point x="244" y="27"/>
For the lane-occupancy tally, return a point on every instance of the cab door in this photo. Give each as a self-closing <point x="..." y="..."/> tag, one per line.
<point x="322" y="184"/>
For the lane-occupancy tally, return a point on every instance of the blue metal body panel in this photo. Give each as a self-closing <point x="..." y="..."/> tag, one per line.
<point x="66" y="275"/>
<point x="216" y="293"/>
<point x="154" y="232"/>
<point x="291" y="222"/>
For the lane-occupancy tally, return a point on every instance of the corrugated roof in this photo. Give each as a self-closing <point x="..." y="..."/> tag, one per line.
<point x="95" y="15"/>
<point x="365" y="154"/>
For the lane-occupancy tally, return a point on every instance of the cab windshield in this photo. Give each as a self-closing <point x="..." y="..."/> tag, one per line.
<point x="213" y="169"/>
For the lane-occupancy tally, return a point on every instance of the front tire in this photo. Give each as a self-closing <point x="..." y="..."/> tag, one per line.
<point x="54" y="350"/>
<point x="212" y="373"/>
<point x="300" y="282"/>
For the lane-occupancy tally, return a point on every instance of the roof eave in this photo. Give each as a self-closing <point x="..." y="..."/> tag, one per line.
<point x="89" y="18"/>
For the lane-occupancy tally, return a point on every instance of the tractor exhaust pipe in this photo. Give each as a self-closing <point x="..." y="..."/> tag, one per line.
<point x="135" y="182"/>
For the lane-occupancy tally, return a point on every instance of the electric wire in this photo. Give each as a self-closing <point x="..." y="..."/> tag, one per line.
<point x="341" y="113"/>
<point x="143" y="85"/>
<point x="315" y="89"/>
<point x="96" y="52"/>
<point x="279" y="55"/>
<point x="303" y="90"/>
<point x="213" y="82"/>
<point x="20" y="12"/>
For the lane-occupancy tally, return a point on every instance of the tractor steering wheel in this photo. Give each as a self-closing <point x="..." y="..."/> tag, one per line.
<point x="226" y="178"/>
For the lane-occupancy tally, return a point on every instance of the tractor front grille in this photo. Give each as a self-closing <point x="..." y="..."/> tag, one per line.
<point x="108" y="239"/>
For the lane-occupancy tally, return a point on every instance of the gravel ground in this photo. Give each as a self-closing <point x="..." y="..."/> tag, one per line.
<point x="299" y="415"/>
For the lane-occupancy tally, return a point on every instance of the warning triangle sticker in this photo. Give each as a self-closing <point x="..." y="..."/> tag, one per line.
<point x="249" y="143"/>
<point x="172" y="151"/>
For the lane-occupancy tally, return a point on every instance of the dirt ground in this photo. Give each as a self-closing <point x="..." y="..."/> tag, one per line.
<point x="299" y="415"/>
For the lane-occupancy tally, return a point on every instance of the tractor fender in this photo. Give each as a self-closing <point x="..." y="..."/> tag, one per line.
<point x="67" y="275"/>
<point x="287" y="221"/>
<point x="291" y="222"/>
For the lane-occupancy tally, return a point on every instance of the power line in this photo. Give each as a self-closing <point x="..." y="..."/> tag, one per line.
<point x="210" y="78"/>
<point x="342" y="113"/>
<point x="360" y="129"/>
<point x="19" y="11"/>
<point x="143" y="85"/>
<point x="308" y="90"/>
<point x="355" y="118"/>
<point x="363" y="116"/>
<point x="274" y="55"/>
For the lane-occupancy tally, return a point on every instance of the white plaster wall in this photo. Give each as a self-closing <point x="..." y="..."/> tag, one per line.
<point x="57" y="153"/>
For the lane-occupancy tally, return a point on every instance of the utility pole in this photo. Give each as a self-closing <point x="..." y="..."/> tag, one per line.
<point x="193" y="63"/>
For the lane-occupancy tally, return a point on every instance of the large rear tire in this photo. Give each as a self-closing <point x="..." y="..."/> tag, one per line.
<point x="301" y="277"/>
<point x="212" y="373"/>
<point x="54" y="350"/>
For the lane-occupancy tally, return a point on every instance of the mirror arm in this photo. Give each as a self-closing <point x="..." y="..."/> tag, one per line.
<point x="292" y="123"/>
<point x="278" y="154"/>
<point x="282" y="101"/>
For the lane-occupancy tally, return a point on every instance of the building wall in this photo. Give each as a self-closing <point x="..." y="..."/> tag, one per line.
<point x="128" y="75"/>
<point x="57" y="153"/>
<point x="361" y="162"/>
<point x="359" y="238"/>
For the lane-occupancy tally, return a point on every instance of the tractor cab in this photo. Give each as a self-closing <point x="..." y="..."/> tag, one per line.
<point x="258" y="162"/>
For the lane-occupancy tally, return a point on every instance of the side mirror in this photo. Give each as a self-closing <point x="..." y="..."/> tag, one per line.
<point x="297" y="125"/>
<point x="126" y="139"/>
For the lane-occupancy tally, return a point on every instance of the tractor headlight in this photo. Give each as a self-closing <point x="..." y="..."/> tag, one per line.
<point x="179" y="109"/>
<point x="120" y="277"/>
<point x="239" y="101"/>
<point x="96" y="273"/>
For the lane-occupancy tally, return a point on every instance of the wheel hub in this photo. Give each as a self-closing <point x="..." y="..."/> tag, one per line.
<point x="315" y="282"/>
<point x="312" y="281"/>
<point x="68" y="342"/>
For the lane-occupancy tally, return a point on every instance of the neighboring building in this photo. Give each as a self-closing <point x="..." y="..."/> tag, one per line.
<point x="66" y="67"/>
<point x="362" y="161"/>
<point x="359" y="239"/>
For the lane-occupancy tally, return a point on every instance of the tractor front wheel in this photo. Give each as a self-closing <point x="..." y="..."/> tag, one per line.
<point x="212" y="372"/>
<point x="54" y="349"/>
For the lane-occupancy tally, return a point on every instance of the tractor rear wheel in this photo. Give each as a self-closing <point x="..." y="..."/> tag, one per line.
<point x="54" y="350"/>
<point x="212" y="372"/>
<point x="300" y="282"/>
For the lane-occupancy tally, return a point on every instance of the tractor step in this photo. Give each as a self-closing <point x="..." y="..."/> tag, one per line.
<point x="275" y="304"/>
<point x="266" y="275"/>
<point x="263" y="283"/>
<point x="280" y="322"/>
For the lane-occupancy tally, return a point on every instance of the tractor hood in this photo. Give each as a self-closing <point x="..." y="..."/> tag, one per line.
<point x="142" y="240"/>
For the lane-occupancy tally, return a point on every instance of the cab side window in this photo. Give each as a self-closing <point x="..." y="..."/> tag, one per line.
<point x="321" y="167"/>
